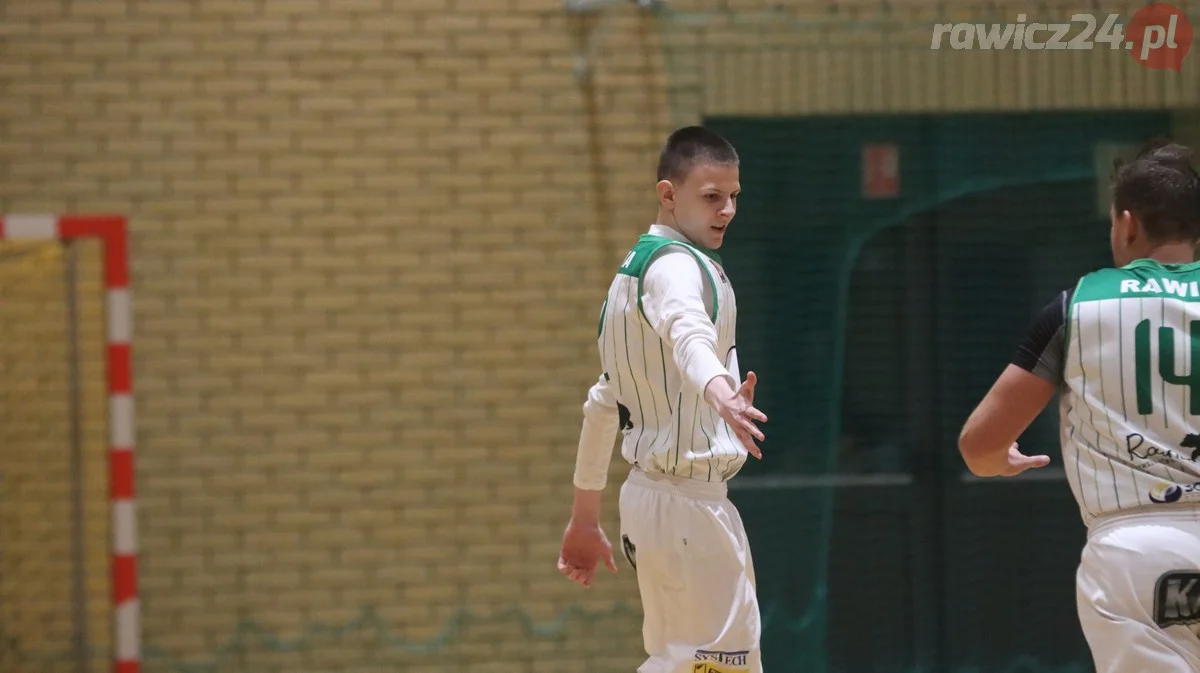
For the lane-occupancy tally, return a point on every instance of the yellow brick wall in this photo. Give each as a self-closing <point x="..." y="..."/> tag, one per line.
<point x="369" y="241"/>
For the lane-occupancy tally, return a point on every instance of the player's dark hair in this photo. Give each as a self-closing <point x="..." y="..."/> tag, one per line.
<point x="692" y="145"/>
<point x="1162" y="190"/>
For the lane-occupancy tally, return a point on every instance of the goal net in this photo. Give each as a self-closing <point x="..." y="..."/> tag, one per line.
<point x="909" y="206"/>
<point x="66" y="533"/>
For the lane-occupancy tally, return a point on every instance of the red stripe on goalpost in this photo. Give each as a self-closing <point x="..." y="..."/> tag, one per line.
<point x="124" y="577"/>
<point x="120" y="369"/>
<point x="121" y="487"/>
<point x="111" y="229"/>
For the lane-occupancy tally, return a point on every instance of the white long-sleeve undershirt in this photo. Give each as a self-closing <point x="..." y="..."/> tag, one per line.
<point x="677" y="300"/>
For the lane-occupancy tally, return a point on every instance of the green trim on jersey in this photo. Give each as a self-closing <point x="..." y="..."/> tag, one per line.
<point x="1141" y="279"/>
<point x="647" y="246"/>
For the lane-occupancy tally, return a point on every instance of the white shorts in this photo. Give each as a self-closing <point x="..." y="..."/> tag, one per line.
<point x="695" y="575"/>
<point x="1138" y="593"/>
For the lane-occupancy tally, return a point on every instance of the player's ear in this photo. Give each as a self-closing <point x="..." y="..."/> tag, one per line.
<point x="666" y="193"/>
<point x="1129" y="228"/>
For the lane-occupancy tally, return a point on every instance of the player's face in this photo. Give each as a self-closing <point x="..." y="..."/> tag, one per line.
<point x="704" y="204"/>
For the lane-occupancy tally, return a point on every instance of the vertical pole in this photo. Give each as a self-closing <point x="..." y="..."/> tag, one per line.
<point x="75" y="411"/>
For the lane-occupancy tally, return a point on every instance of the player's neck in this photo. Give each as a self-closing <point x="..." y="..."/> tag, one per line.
<point x="665" y="221"/>
<point x="1173" y="253"/>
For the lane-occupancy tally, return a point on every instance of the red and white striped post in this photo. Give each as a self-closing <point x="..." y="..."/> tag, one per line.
<point x="111" y="231"/>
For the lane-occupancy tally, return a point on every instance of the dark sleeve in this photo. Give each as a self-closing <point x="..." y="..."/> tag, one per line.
<point x="1041" y="351"/>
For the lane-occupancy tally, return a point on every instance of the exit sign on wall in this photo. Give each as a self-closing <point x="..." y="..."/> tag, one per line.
<point x="881" y="171"/>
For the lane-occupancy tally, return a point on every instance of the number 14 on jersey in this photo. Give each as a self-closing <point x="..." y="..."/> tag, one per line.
<point x="1168" y="365"/>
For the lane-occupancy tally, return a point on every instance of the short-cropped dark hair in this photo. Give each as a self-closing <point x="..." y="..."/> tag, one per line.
<point x="692" y="145"/>
<point x="1162" y="189"/>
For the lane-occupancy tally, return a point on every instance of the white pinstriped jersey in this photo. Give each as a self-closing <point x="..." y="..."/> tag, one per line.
<point x="1131" y="407"/>
<point x="665" y="424"/>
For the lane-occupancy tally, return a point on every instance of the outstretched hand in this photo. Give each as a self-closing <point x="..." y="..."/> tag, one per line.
<point x="1019" y="462"/>
<point x="738" y="411"/>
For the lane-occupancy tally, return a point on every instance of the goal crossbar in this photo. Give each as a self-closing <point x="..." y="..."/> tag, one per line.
<point x="111" y="232"/>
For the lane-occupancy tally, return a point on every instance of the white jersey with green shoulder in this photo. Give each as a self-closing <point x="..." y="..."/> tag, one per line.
<point x="665" y="424"/>
<point x="1131" y="408"/>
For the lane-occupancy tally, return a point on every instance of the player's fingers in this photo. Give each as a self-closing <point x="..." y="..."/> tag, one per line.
<point x="745" y="390"/>
<point x="608" y="561"/>
<point x="576" y="575"/>
<point x="586" y="576"/>
<point x="752" y="430"/>
<point x="756" y="415"/>
<point x="1037" y="461"/>
<point x="1021" y="463"/>
<point x="751" y="447"/>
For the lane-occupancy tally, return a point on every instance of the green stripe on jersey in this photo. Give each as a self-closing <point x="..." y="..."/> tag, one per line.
<point x="648" y="245"/>
<point x="1142" y="279"/>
